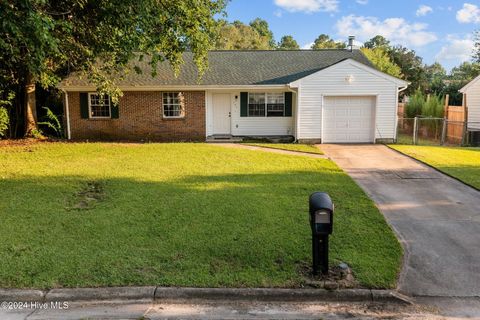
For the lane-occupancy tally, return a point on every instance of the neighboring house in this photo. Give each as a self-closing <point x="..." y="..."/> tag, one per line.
<point x="329" y="96"/>
<point x="471" y="100"/>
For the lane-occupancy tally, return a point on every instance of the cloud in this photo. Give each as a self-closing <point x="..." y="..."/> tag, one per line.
<point x="278" y="13"/>
<point x="470" y="13"/>
<point x="457" y="49"/>
<point x="397" y="30"/>
<point x="308" y="46"/>
<point x="308" y="6"/>
<point x="362" y="2"/>
<point x="423" y="10"/>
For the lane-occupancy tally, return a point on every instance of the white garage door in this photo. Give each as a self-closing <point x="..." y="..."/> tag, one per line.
<point x="348" y="119"/>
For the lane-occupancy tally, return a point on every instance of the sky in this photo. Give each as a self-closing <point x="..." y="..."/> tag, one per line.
<point x="438" y="30"/>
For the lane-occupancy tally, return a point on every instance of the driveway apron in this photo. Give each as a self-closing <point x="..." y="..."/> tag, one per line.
<point x="436" y="218"/>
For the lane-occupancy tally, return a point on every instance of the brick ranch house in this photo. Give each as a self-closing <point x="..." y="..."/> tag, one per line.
<point x="330" y="96"/>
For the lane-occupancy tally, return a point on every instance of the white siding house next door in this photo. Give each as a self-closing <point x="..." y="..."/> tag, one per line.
<point x="348" y="119"/>
<point x="221" y="113"/>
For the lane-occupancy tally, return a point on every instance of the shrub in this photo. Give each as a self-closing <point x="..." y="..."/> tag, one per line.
<point x="433" y="107"/>
<point x="4" y="121"/>
<point x="415" y="104"/>
<point x="420" y="105"/>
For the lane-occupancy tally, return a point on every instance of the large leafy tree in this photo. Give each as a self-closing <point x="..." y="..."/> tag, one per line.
<point x="380" y="58"/>
<point x="41" y="41"/>
<point x="263" y="29"/>
<point x="377" y="42"/>
<point x="324" y="41"/>
<point x="239" y="36"/>
<point x="412" y="67"/>
<point x="436" y="75"/>
<point x="288" y="43"/>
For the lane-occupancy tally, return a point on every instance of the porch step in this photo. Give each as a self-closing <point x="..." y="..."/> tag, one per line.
<point x="223" y="139"/>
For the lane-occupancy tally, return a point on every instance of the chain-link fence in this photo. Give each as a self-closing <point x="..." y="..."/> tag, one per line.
<point x="437" y="131"/>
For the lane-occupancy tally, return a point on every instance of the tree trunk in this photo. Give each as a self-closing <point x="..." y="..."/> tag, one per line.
<point x="30" y="107"/>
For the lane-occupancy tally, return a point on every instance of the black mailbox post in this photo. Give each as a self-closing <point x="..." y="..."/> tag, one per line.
<point x="321" y="222"/>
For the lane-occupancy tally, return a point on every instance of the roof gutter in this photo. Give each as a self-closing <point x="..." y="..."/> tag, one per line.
<point x="180" y="87"/>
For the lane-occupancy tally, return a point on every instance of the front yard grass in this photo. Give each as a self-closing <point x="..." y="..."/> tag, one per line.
<point x="462" y="163"/>
<point x="307" y="148"/>
<point x="99" y="214"/>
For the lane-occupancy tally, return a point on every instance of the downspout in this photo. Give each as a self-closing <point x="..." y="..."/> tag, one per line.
<point x="296" y="112"/>
<point x="67" y="114"/>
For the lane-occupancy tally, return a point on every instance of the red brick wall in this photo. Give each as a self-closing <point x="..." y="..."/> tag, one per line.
<point x="141" y="118"/>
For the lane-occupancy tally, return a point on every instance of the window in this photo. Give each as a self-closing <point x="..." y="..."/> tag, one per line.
<point x="275" y="104"/>
<point x="173" y="105"/>
<point x="99" y="105"/>
<point x="256" y="104"/>
<point x="270" y="104"/>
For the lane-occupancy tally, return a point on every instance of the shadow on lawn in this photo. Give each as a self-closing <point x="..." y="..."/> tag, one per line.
<point x="220" y="230"/>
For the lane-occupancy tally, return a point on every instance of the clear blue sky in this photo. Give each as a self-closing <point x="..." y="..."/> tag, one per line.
<point x="438" y="30"/>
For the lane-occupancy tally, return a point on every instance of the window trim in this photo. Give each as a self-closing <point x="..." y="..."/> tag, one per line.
<point x="182" y="106"/>
<point x="266" y="105"/>
<point x="90" y="116"/>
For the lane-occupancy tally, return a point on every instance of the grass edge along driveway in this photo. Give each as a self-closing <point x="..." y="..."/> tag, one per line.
<point x="297" y="147"/>
<point x="461" y="163"/>
<point x="104" y="214"/>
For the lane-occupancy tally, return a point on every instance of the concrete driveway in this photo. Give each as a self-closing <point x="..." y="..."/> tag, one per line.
<point x="436" y="218"/>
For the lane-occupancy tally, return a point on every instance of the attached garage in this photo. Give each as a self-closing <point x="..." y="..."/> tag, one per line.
<point x="349" y="119"/>
<point x="348" y="102"/>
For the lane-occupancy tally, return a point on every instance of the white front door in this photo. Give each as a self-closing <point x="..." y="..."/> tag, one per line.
<point x="348" y="120"/>
<point x="221" y="113"/>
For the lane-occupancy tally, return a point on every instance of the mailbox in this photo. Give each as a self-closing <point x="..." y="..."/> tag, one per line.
<point x="321" y="221"/>
<point x="321" y="213"/>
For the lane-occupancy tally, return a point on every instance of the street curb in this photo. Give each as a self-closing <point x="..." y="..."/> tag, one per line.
<point x="108" y="293"/>
<point x="434" y="168"/>
<point x="152" y="293"/>
<point x="21" y="295"/>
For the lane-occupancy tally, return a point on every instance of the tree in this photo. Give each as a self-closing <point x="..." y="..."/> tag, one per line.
<point x="263" y="29"/>
<point x="43" y="40"/>
<point x="288" y="43"/>
<point x="476" y="47"/>
<point x="377" y="42"/>
<point x="323" y="41"/>
<point x="380" y="58"/>
<point x="466" y="71"/>
<point x="238" y="36"/>
<point x="412" y="67"/>
<point x="436" y="75"/>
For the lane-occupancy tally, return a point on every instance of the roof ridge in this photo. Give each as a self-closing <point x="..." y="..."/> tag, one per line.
<point x="283" y="50"/>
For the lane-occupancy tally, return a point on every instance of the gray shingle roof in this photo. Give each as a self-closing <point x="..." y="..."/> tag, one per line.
<point x="239" y="68"/>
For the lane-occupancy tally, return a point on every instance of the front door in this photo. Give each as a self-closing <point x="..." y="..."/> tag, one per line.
<point x="221" y="113"/>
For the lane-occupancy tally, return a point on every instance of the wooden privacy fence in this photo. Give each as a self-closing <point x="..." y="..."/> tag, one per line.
<point x="456" y="120"/>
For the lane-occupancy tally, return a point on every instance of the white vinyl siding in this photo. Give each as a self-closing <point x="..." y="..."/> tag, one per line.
<point x="332" y="82"/>
<point x="473" y="104"/>
<point x="252" y="126"/>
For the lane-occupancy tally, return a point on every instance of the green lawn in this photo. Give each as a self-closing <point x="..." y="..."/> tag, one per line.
<point x="308" y="148"/>
<point x="462" y="163"/>
<point x="99" y="214"/>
